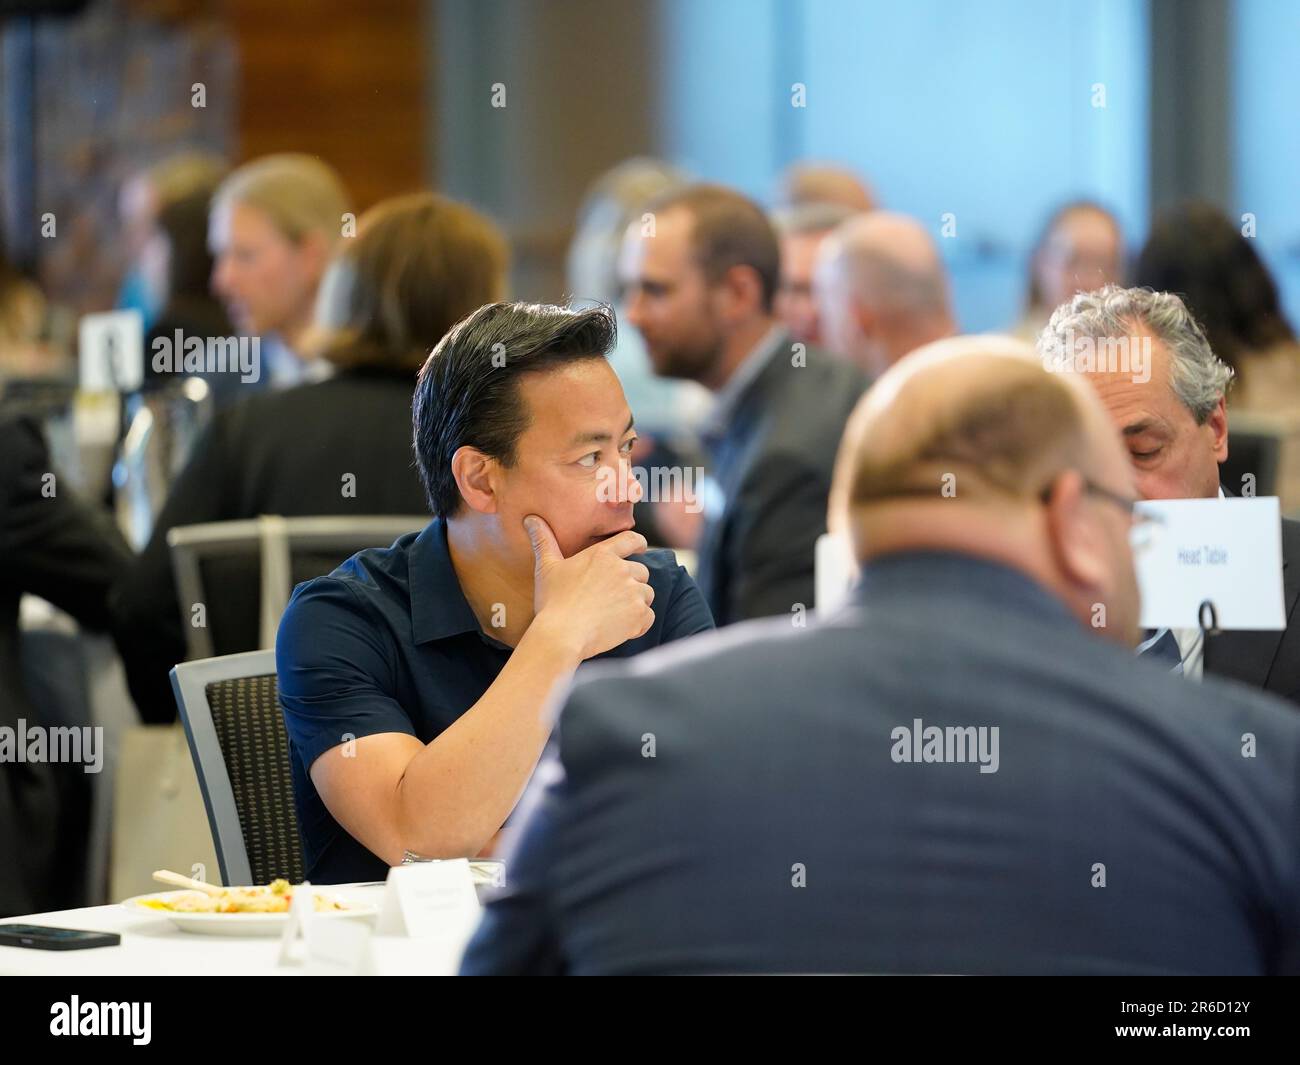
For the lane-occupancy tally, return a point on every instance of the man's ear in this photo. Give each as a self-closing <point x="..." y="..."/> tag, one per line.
<point x="475" y="477"/>
<point x="1217" y="423"/>
<point x="742" y="292"/>
<point x="1078" y="550"/>
<point x="864" y="317"/>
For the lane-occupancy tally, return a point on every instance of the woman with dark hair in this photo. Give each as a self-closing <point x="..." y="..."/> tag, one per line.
<point x="1196" y="251"/>
<point x="180" y="249"/>
<point x="1080" y="248"/>
<point x="417" y="265"/>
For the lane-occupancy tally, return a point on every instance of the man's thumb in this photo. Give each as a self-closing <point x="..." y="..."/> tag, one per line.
<point x="545" y="548"/>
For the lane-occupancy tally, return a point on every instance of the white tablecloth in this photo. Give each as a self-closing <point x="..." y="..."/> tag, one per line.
<point x="153" y="946"/>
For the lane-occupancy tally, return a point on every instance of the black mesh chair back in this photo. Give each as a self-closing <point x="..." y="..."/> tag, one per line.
<point x="255" y="749"/>
<point x="230" y="708"/>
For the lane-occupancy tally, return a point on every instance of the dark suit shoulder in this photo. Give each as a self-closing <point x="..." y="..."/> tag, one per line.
<point x="811" y="376"/>
<point x="615" y="702"/>
<point x="846" y="646"/>
<point x="286" y="451"/>
<point x="344" y="394"/>
<point x="805" y="406"/>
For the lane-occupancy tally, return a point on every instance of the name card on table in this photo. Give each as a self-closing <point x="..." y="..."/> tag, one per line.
<point x="834" y="571"/>
<point x="333" y="946"/>
<point x="1226" y="551"/>
<point x="340" y="947"/>
<point x="427" y="898"/>
<point x="110" y="351"/>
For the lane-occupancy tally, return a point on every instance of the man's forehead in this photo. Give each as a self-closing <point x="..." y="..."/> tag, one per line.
<point x="1101" y="425"/>
<point x="1124" y="370"/>
<point x="655" y="239"/>
<point x="1084" y="222"/>
<point x="799" y="250"/>
<point x="578" y="396"/>
<point x="1131" y="408"/>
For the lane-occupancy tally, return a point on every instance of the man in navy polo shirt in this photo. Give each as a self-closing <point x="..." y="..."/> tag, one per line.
<point x="414" y="679"/>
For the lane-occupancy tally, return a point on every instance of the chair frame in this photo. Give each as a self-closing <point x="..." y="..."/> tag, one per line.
<point x="190" y="681"/>
<point x="275" y="539"/>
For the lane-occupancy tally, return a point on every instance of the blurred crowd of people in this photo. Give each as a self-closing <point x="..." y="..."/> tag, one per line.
<point x="747" y="336"/>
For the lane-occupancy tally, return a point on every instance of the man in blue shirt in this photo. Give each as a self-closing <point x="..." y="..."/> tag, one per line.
<point x="414" y="679"/>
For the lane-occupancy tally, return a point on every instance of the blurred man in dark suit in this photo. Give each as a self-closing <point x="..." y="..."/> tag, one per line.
<point x="701" y="271"/>
<point x="1164" y="391"/>
<point x="61" y="549"/>
<point x="966" y="770"/>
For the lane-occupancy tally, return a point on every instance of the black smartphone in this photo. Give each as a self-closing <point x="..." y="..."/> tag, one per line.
<point x="41" y="938"/>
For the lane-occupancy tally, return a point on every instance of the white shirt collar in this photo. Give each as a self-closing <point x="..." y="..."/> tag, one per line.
<point x="726" y="398"/>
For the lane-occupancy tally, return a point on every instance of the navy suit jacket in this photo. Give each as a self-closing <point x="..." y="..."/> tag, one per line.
<point x="736" y="803"/>
<point x="773" y="466"/>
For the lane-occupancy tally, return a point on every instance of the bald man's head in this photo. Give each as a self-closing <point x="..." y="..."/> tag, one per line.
<point x="823" y="183"/>
<point x="969" y="445"/>
<point x="882" y="290"/>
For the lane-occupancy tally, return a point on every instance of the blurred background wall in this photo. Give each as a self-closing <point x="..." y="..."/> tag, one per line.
<point x="515" y="106"/>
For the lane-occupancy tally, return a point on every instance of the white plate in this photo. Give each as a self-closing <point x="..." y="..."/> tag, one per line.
<point x="236" y="924"/>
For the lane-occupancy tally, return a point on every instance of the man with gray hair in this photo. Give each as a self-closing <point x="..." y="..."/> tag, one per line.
<point x="881" y="290"/>
<point x="802" y="229"/>
<point x="1150" y="363"/>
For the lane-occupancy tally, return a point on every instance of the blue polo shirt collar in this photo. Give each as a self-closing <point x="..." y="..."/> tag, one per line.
<point x="438" y="606"/>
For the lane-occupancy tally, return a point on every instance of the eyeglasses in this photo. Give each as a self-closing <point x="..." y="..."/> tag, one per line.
<point x="1145" y="526"/>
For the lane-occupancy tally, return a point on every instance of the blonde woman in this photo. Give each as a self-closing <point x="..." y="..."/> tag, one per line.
<point x="274" y="226"/>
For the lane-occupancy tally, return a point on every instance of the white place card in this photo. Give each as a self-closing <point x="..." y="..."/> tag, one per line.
<point x="340" y="946"/>
<point x="297" y="928"/>
<point x="110" y="351"/>
<point x="334" y="946"/>
<point x="428" y="898"/>
<point x="1226" y="551"/>
<point x="834" y="571"/>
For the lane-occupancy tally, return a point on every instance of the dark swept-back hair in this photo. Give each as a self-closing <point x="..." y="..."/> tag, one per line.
<point x="467" y="393"/>
<point x="1198" y="252"/>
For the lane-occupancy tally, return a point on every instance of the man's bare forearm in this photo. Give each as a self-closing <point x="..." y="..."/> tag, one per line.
<point x="458" y="791"/>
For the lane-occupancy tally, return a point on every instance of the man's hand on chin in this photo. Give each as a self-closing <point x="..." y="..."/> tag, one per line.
<point x="598" y="597"/>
